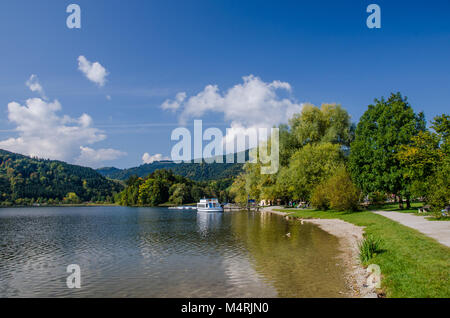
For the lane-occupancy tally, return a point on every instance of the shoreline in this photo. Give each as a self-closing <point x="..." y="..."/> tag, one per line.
<point x="349" y="236"/>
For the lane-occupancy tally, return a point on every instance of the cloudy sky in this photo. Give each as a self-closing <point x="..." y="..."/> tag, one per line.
<point x="110" y="93"/>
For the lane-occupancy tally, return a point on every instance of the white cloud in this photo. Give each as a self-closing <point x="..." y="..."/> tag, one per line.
<point x="147" y="158"/>
<point x="175" y="104"/>
<point x="93" y="157"/>
<point x="34" y="85"/>
<point x="45" y="134"/>
<point x="95" y="72"/>
<point x="108" y="97"/>
<point x="251" y="104"/>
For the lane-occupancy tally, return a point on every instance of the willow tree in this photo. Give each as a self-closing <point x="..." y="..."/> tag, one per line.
<point x="310" y="166"/>
<point x="329" y="123"/>
<point x="381" y="132"/>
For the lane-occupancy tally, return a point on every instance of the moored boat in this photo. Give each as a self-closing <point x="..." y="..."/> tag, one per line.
<point x="209" y="205"/>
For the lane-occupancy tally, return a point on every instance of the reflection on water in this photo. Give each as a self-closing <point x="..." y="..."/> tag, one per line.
<point x="208" y="221"/>
<point x="156" y="252"/>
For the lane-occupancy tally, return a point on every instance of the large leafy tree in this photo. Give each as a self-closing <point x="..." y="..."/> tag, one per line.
<point x="179" y="193"/>
<point x="329" y="123"/>
<point x="310" y="147"/>
<point x="426" y="163"/>
<point x="383" y="129"/>
<point x="441" y="125"/>
<point x="310" y="166"/>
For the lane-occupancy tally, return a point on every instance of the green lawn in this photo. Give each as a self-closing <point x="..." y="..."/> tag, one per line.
<point x="412" y="264"/>
<point x="394" y="207"/>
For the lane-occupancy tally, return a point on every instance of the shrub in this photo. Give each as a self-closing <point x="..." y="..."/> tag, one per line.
<point x="369" y="248"/>
<point x="343" y="194"/>
<point x="338" y="193"/>
<point x="319" y="197"/>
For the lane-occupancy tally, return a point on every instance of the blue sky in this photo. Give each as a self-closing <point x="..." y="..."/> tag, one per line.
<point x="153" y="50"/>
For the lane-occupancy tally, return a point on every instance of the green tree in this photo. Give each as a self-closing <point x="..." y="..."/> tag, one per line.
<point x="438" y="195"/>
<point x="179" y="193"/>
<point x="196" y="193"/>
<point x="329" y="123"/>
<point x="426" y="162"/>
<point x="71" y="198"/>
<point x="152" y="192"/>
<point x="238" y="190"/>
<point x="441" y="125"/>
<point x="310" y="166"/>
<point x="420" y="160"/>
<point x="383" y="129"/>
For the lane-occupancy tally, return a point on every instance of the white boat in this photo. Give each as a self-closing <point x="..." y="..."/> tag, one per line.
<point x="209" y="205"/>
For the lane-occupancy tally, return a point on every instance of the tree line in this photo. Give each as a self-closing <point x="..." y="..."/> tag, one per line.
<point x="331" y="163"/>
<point x="164" y="186"/>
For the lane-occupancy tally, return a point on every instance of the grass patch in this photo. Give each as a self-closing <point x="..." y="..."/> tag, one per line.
<point x="441" y="218"/>
<point x="394" y="207"/>
<point x="369" y="248"/>
<point x="412" y="264"/>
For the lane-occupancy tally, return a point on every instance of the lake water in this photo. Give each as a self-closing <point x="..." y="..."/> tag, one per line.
<point x="157" y="252"/>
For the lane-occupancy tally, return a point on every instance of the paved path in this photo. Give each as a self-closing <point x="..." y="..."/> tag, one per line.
<point x="439" y="230"/>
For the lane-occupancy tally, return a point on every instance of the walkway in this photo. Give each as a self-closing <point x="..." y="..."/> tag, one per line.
<point x="439" y="230"/>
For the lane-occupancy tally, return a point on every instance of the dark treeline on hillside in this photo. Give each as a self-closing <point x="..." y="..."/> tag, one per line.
<point x="163" y="186"/>
<point x="194" y="171"/>
<point x="25" y="180"/>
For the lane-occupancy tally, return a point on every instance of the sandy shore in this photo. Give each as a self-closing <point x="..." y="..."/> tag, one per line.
<point x="349" y="235"/>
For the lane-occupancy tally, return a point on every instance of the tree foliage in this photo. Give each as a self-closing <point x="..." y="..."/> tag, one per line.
<point x="311" y="147"/>
<point x="25" y="180"/>
<point x="338" y="192"/>
<point x="329" y="123"/>
<point x="164" y="186"/>
<point x="311" y="165"/>
<point x="426" y="163"/>
<point x="381" y="132"/>
<point x="193" y="171"/>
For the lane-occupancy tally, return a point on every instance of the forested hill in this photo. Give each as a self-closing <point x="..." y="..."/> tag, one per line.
<point x="25" y="180"/>
<point x="194" y="171"/>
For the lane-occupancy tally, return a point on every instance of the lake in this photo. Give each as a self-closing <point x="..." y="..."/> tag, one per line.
<point x="157" y="252"/>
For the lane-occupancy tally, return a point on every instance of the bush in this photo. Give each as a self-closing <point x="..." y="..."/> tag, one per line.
<point x="338" y="193"/>
<point x="343" y="194"/>
<point x="319" y="197"/>
<point x="369" y="248"/>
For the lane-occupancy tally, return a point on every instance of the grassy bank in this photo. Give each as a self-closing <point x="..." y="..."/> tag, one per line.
<point x="412" y="264"/>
